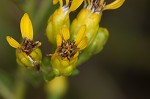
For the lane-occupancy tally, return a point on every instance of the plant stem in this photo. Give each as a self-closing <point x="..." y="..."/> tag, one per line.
<point x="20" y="85"/>
<point x="20" y="89"/>
<point x="5" y="92"/>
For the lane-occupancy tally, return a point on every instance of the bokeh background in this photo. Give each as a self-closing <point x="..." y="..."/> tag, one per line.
<point x="120" y="71"/>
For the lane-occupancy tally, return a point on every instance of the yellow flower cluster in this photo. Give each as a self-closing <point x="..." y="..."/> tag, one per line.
<point x="86" y="25"/>
<point x="74" y="42"/>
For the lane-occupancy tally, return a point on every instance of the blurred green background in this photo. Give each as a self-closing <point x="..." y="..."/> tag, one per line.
<point x="120" y="71"/>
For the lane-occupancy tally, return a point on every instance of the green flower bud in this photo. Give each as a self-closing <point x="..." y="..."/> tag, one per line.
<point x="100" y="40"/>
<point x="96" y="46"/>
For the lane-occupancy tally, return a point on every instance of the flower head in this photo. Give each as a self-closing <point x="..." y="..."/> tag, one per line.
<point x="60" y="18"/>
<point x="27" y="52"/>
<point x="97" y="6"/>
<point x="90" y="16"/>
<point x="66" y="55"/>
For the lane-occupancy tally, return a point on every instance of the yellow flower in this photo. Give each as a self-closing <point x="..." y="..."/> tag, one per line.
<point x="66" y="55"/>
<point x="60" y="18"/>
<point x="28" y="54"/>
<point x="90" y="16"/>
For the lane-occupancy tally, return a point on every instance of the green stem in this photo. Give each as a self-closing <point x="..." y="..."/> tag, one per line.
<point x="20" y="85"/>
<point x="20" y="89"/>
<point x="5" y="92"/>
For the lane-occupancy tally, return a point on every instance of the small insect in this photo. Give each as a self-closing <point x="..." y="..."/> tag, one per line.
<point x="28" y="46"/>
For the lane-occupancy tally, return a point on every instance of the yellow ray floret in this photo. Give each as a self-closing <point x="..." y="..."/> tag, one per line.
<point x="67" y="2"/>
<point x="89" y="2"/>
<point x="75" y="4"/>
<point x="12" y="42"/>
<point x="82" y="45"/>
<point x="81" y="34"/>
<point x="76" y="55"/>
<point x="114" y="5"/>
<point x="59" y="40"/>
<point x="26" y="27"/>
<point x="65" y="33"/>
<point x="101" y="2"/>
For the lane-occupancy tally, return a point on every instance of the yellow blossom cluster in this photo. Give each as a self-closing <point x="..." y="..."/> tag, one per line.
<point x="74" y="42"/>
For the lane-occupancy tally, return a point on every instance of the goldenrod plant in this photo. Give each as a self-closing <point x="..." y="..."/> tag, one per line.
<point x="72" y="42"/>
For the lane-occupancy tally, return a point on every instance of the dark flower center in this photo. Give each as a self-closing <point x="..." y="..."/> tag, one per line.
<point x="67" y="49"/>
<point x="28" y="45"/>
<point x="95" y="7"/>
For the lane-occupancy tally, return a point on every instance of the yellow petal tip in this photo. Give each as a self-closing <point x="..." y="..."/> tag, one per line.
<point x="12" y="42"/>
<point x="114" y="5"/>
<point x="26" y="27"/>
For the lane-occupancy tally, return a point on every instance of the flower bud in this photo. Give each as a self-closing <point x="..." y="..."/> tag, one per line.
<point x="56" y="21"/>
<point x="57" y="87"/>
<point x="100" y="40"/>
<point x="96" y="46"/>
<point x="60" y="18"/>
<point x="90" y="20"/>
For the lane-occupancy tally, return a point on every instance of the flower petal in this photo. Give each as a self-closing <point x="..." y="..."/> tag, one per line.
<point x="26" y="27"/>
<point x="82" y="45"/>
<point x="114" y="5"/>
<point x="89" y="2"/>
<point x="61" y="3"/>
<point x="76" y="55"/>
<point x="12" y="42"/>
<point x="59" y="40"/>
<point x="67" y="2"/>
<point x="101" y="2"/>
<point x="65" y="33"/>
<point x="81" y="34"/>
<point x="75" y="4"/>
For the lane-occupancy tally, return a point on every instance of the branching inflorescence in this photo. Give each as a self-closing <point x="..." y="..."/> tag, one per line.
<point x="74" y="42"/>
